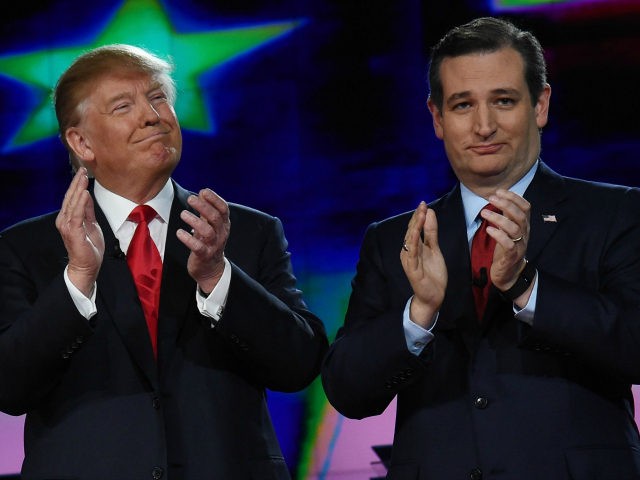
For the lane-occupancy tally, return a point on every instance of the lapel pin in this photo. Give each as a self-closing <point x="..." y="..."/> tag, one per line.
<point x="549" y="218"/>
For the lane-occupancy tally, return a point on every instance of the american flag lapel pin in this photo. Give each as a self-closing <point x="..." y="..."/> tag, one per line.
<point x="549" y="218"/>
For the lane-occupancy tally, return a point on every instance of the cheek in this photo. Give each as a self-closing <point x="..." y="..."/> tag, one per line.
<point x="455" y="132"/>
<point x="117" y="132"/>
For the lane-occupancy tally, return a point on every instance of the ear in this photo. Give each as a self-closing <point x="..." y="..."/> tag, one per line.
<point x="542" y="106"/>
<point x="437" y="118"/>
<point x="80" y="145"/>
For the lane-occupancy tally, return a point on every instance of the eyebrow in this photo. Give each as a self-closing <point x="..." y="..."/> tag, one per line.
<point x="118" y="97"/>
<point x="128" y="94"/>
<point x="495" y="92"/>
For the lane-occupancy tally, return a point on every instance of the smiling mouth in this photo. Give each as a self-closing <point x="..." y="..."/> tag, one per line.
<point x="152" y="137"/>
<point x="486" y="149"/>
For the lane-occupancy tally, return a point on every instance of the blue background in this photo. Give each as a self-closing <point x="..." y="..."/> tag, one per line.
<point x="327" y="127"/>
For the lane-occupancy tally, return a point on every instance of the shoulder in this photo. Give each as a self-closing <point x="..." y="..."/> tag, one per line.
<point x="400" y="221"/>
<point x="33" y="239"/>
<point x="590" y="190"/>
<point x="243" y="211"/>
<point x="392" y="223"/>
<point x="29" y="227"/>
<point x="238" y="213"/>
<point x="606" y="198"/>
<point x="248" y="218"/>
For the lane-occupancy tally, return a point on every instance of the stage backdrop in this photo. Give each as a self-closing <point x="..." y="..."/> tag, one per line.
<point x="314" y="111"/>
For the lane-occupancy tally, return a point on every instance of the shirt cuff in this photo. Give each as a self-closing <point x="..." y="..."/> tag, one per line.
<point x="526" y="314"/>
<point x="212" y="306"/>
<point x="417" y="337"/>
<point x="86" y="306"/>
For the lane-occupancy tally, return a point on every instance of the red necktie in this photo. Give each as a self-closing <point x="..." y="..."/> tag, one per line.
<point x="146" y="267"/>
<point x="482" y="248"/>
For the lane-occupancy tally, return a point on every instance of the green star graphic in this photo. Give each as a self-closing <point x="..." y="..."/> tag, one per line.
<point x="142" y="23"/>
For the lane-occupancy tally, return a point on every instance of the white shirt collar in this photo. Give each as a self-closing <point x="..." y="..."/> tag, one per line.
<point x="117" y="208"/>
<point x="473" y="203"/>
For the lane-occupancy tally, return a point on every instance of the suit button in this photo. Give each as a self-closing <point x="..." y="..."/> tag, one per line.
<point x="156" y="473"/>
<point x="156" y="402"/>
<point x="481" y="403"/>
<point x="475" y="474"/>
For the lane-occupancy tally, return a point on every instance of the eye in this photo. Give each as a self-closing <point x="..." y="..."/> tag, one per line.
<point x="158" y="97"/>
<point x="505" y="101"/>
<point x="461" y="106"/>
<point x="121" y="107"/>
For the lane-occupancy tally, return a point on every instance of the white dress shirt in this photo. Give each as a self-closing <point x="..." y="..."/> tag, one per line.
<point x="117" y="209"/>
<point x="416" y="336"/>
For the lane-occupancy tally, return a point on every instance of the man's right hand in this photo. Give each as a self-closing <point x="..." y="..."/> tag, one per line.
<point x="424" y="265"/>
<point x="81" y="234"/>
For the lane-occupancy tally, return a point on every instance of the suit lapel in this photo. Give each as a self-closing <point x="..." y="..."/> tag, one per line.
<point x="177" y="294"/>
<point x="546" y="194"/>
<point x="457" y="308"/>
<point x="118" y="296"/>
<point x="118" y="301"/>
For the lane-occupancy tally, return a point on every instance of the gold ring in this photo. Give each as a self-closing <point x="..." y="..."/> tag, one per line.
<point x="516" y="240"/>
<point x="404" y="247"/>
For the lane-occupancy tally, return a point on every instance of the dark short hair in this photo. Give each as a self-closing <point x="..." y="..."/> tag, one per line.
<point x="486" y="35"/>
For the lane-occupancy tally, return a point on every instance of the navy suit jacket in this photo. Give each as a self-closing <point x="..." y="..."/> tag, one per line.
<point x="505" y="400"/>
<point x="99" y="407"/>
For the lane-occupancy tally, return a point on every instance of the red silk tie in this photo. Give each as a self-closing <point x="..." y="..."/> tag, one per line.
<point x="482" y="248"/>
<point x="146" y="267"/>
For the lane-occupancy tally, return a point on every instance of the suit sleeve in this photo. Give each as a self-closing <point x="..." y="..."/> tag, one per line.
<point x="266" y="320"/>
<point x="593" y="313"/>
<point x="40" y="328"/>
<point x="369" y="363"/>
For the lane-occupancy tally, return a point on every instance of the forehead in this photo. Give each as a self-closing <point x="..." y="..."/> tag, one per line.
<point x="111" y="85"/>
<point x="481" y="72"/>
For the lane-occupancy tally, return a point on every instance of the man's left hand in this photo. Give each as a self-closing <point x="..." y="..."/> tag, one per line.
<point x="207" y="239"/>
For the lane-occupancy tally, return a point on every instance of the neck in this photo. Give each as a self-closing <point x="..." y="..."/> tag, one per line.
<point x="136" y="190"/>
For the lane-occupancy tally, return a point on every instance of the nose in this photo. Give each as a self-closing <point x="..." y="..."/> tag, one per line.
<point x="485" y="124"/>
<point x="149" y="115"/>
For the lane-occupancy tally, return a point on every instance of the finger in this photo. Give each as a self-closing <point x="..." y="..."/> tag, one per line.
<point x="513" y="206"/>
<point x="505" y="240"/>
<point x="514" y="219"/>
<point x="78" y="206"/>
<point x="512" y="197"/>
<point x="90" y="222"/>
<point x="210" y="206"/>
<point x="512" y="229"/>
<point x="71" y="215"/>
<point x="218" y="203"/>
<point x="430" y="230"/>
<point x="77" y="185"/>
<point x="412" y="238"/>
<point x="200" y="228"/>
<point x="190" y="241"/>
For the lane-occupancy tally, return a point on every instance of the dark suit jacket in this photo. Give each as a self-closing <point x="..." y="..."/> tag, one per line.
<point x="506" y="401"/>
<point x="98" y="406"/>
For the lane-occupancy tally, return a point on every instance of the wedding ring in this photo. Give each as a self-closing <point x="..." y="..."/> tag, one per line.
<point x="516" y="240"/>
<point x="404" y="247"/>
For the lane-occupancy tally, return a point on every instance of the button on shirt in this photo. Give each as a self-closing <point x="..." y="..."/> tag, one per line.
<point x="416" y="336"/>
<point x="116" y="209"/>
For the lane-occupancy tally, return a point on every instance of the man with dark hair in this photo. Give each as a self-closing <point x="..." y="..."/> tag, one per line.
<point x="141" y="324"/>
<point x="504" y="316"/>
